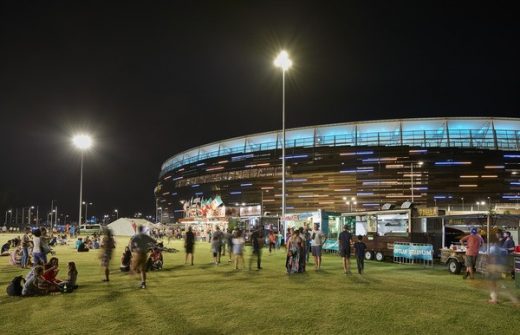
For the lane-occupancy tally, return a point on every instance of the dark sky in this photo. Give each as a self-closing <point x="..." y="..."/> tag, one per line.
<point x="150" y="79"/>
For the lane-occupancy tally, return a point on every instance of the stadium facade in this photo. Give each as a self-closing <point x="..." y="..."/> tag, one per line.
<point x="348" y="167"/>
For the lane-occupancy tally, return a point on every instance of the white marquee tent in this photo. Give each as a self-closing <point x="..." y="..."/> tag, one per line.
<point x="128" y="226"/>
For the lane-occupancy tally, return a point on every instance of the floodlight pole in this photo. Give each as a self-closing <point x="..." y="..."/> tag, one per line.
<point x="80" y="190"/>
<point x="283" y="157"/>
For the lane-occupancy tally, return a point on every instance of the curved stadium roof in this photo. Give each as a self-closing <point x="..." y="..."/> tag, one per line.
<point x="461" y="132"/>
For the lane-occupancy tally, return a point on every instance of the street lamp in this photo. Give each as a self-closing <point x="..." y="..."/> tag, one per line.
<point x="82" y="142"/>
<point x="86" y="203"/>
<point x="117" y="213"/>
<point x="283" y="62"/>
<point x="29" y="216"/>
<point x="462" y="199"/>
<point x="10" y="212"/>
<point x="411" y="175"/>
<point x="480" y="203"/>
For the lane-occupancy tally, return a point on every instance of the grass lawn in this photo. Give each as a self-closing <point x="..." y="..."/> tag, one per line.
<point x="205" y="299"/>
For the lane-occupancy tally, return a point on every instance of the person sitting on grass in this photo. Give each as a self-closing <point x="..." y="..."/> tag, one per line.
<point x="15" y="257"/>
<point x="81" y="246"/>
<point x="5" y="248"/>
<point x="72" y="278"/>
<point x="51" y="271"/>
<point x="155" y="260"/>
<point x="36" y="285"/>
<point x="126" y="260"/>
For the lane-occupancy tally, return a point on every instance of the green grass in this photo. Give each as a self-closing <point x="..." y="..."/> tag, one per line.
<point x="204" y="299"/>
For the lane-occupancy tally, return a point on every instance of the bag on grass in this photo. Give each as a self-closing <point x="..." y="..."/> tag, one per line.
<point x="15" y="286"/>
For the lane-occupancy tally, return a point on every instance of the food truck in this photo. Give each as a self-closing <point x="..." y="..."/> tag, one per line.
<point x="380" y="229"/>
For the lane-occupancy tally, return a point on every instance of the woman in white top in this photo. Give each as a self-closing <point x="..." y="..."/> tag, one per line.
<point x="238" y="248"/>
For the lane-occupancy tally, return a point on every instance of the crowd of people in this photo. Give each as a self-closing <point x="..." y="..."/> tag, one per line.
<point x="144" y="253"/>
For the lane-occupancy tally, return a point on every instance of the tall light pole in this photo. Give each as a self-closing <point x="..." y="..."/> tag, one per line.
<point x="411" y="176"/>
<point x="283" y="62"/>
<point x="117" y="213"/>
<point x="86" y="203"/>
<point x="10" y="212"/>
<point x="29" y="216"/>
<point x="82" y="142"/>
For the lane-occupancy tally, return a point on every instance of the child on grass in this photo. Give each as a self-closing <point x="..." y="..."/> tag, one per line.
<point x="360" y="247"/>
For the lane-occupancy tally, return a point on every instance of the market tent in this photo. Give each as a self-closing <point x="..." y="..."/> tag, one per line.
<point x="128" y="226"/>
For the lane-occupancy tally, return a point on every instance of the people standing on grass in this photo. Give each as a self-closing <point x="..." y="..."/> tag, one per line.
<point x="474" y="242"/>
<point x="38" y="254"/>
<point x="508" y="243"/>
<point x="216" y="244"/>
<point x="345" y="240"/>
<point x="108" y="244"/>
<point x="307" y="239"/>
<point x="272" y="241"/>
<point x="189" y="245"/>
<point x="496" y="266"/>
<point x="360" y="248"/>
<point x="140" y="244"/>
<point x="257" y="241"/>
<point x="26" y="243"/>
<point x="229" y="241"/>
<point x="238" y="248"/>
<point x="295" y="254"/>
<point x="317" y="240"/>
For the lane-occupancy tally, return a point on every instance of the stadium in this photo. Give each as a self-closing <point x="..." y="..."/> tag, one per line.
<point x="463" y="162"/>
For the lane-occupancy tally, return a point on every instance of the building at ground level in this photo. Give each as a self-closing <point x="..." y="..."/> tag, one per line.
<point x="468" y="163"/>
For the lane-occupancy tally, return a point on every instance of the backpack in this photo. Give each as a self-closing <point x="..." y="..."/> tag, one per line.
<point x="15" y="286"/>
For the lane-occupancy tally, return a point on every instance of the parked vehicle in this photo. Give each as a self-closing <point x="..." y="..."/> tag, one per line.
<point x="89" y="229"/>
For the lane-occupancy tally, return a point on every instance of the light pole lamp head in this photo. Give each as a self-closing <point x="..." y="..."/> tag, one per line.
<point x="82" y="141"/>
<point x="283" y="61"/>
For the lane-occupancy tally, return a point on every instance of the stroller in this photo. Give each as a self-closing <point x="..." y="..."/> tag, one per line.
<point x="155" y="260"/>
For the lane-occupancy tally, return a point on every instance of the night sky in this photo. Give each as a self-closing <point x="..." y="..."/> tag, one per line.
<point x="150" y="79"/>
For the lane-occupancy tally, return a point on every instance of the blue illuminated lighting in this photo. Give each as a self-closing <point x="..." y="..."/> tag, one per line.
<point x="295" y="156"/>
<point x="420" y="188"/>
<point x="295" y="180"/>
<point x="247" y="184"/>
<point x="200" y="164"/>
<point x="511" y="196"/>
<point x="199" y="193"/>
<point x="452" y="163"/>
<point x="439" y="197"/>
<point x="175" y="193"/>
<point x="242" y="157"/>
<point x="177" y="178"/>
<point x="515" y="183"/>
<point x="382" y="133"/>
<point x="235" y="192"/>
<point x="196" y="185"/>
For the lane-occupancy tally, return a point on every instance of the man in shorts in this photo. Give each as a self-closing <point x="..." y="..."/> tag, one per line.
<point x="140" y="244"/>
<point x="107" y="244"/>
<point x="317" y="240"/>
<point x="345" y="239"/>
<point x="474" y="242"/>
<point x="216" y="245"/>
